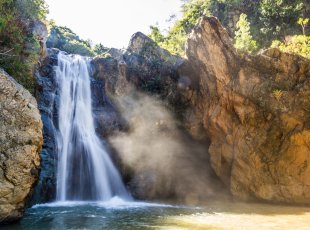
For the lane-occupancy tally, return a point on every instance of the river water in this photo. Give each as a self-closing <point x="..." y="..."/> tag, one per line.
<point x="119" y="214"/>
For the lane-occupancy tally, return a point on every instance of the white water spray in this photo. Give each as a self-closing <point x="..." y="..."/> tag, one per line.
<point x="85" y="170"/>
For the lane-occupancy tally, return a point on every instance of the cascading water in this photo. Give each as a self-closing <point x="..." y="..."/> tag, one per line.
<point x="85" y="170"/>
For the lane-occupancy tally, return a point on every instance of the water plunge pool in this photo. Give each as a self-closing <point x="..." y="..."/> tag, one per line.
<point x="119" y="214"/>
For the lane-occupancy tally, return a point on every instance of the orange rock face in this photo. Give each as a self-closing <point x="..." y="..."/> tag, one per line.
<point x="256" y="112"/>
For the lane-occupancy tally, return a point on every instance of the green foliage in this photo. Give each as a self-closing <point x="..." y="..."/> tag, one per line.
<point x="303" y="23"/>
<point x="100" y="49"/>
<point x="65" y="39"/>
<point x="76" y="47"/>
<point x="192" y="10"/>
<point x="278" y="94"/>
<point x="243" y="38"/>
<point x="105" y="55"/>
<point x="156" y="34"/>
<point x="19" y="48"/>
<point x="175" y="40"/>
<point x="32" y="9"/>
<point x="278" y="17"/>
<point x="269" y="19"/>
<point x="299" y="44"/>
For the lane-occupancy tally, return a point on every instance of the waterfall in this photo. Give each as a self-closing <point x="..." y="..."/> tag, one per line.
<point x="85" y="170"/>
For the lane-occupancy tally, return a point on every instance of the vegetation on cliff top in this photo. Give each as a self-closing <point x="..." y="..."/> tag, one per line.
<point x="19" y="48"/>
<point x="269" y="20"/>
<point x="65" y="39"/>
<point x="254" y="24"/>
<point x="299" y="44"/>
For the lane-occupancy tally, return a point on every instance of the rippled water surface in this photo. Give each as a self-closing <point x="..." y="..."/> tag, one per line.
<point x="117" y="214"/>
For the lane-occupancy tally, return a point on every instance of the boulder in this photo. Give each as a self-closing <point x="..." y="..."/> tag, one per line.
<point x="149" y="67"/>
<point x="20" y="145"/>
<point x="255" y="111"/>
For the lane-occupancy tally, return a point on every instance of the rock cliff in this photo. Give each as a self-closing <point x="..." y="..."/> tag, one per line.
<point x="20" y="145"/>
<point x="144" y="85"/>
<point x="249" y="115"/>
<point x="255" y="111"/>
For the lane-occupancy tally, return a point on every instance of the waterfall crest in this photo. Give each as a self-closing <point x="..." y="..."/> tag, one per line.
<point x="85" y="170"/>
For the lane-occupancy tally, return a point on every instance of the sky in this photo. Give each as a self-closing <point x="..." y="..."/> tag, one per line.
<point x="112" y="22"/>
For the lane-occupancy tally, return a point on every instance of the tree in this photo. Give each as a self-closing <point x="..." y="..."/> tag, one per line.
<point x="303" y="22"/>
<point x="270" y="20"/>
<point x="19" y="47"/>
<point x="32" y="9"/>
<point x="243" y="37"/>
<point x="278" y="17"/>
<point x="156" y="34"/>
<point x="193" y="10"/>
<point x="175" y="40"/>
<point x="100" y="49"/>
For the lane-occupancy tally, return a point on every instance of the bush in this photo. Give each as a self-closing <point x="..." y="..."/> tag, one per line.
<point x="298" y="44"/>
<point x="19" y="49"/>
<point x="66" y="40"/>
<point x="270" y="19"/>
<point x="100" y="49"/>
<point x="175" y="40"/>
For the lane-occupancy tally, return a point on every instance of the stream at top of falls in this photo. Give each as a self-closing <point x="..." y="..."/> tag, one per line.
<point x="90" y="191"/>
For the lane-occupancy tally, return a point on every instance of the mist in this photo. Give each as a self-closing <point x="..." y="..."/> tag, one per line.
<point x="161" y="158"/>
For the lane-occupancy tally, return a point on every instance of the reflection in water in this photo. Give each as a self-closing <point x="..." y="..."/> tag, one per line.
<point x="219" y="215"/>
<point x="118" y="214"/>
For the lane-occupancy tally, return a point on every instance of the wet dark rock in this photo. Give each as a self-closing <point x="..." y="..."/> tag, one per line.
<point x="48" y="101"/>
